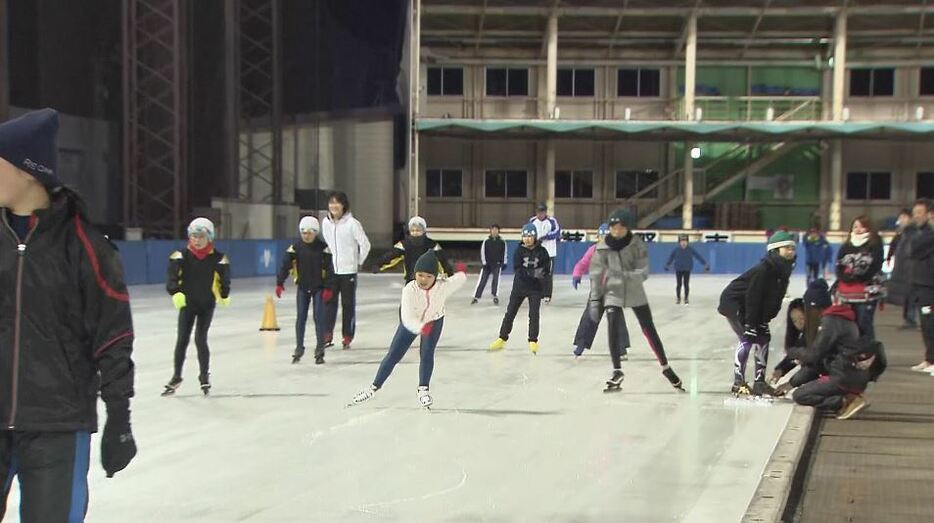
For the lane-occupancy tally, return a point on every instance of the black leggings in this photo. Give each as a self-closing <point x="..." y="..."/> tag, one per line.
<point x="683" y="277"/>
<point x="515" y="301"/>
<point x="186" y="322"/>
<point x="619" y="335"/>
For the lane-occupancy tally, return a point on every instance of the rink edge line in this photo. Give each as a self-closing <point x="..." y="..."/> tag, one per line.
<point x="781" y="472"/>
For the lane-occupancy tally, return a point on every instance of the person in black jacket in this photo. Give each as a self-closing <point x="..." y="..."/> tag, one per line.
<point x="532" y="265"/>
<point x="309" y="263"/>
<point x="803" y="323"/>
<point x="750" y="302"/>
<point x="66" y="332"/>
<point x="854" y="364"/>
<point x="493" y="258"/>
<point x="411" y="248"/>
<point x="198" y="278"/>
<point x="859" y="263"/>
<point x="922" y="290"/>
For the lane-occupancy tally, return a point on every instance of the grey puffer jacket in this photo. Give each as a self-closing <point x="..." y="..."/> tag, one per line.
<point x="616" y="276"/>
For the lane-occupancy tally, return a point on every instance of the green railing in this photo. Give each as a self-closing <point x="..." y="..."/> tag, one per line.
<point x="755" y="108"/>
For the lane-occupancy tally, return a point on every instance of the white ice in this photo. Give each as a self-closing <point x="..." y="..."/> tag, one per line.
<point x="511" y="437"/>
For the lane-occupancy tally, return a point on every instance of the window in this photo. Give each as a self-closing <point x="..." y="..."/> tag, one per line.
<point x="872" y="82"/>
<point x="443" y="183"/>
<point x="507" y="82"/>
<point x="925" y="185"/>
<point x="629" y="183"/>
<point x="638" y="82"/>
<point x="927" y="81"/>
<point x="445" y="81"/>
<point x="868" y="186"/>
<point x="505" y="184"/>
<point x="575" y="82"/>
<point x="573" y="184"/>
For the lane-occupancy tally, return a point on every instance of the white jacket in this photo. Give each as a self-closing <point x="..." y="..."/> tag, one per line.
<point x="347" y="241"/>
<point x="548" y="233"/>
<point x="420" y="306"/>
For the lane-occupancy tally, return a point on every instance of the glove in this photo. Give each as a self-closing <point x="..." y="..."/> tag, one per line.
<point x="327" y="295"/>
<point x="575" y="281"/>
<point x="179" y="300"/>
<point x="750" y="335"/>
<point x="706" y="268"/>
<point x="765" y="336"/>
<point x="117" y="445"/>
<point x="667" y="268"/>
<point x="427" y="328"/>
<point x="225" y="301"/>
<point x="460" y="267"/>
<point x="279" y="290"/>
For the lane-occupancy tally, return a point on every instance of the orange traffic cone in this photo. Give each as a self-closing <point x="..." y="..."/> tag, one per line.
<point x="269" y="316"/>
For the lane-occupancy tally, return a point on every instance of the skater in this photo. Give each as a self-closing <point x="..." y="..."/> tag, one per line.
<point x="817" y="254"/>
<point x="410" y="249"/>
<point x="859" y="264"/>
<point x="587" y="328"/>
<point x="198" y="279"/>
<point x="493" y="258"/>
<point x="750" y="302"/>
<point x="548" y="233"/>
<point x="532" y="266"/>
<point x="422" y="313"/>
<point x="922" y="254"/>
<point x="854" y="364"/>
<point x="619" y="266"/>
<point x="683" y="258"/>
<point x="349" y="248"/>
<point x="66" y="333"/>
<point x="309" y="263"/>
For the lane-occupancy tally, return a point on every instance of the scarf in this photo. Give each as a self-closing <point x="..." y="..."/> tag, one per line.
<point x="858" y="240"/>
<point x="618" y="244"/>
<point x="201" y="253"/>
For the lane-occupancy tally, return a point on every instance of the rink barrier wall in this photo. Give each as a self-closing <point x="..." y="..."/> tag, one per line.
<point x="146" y="262"/>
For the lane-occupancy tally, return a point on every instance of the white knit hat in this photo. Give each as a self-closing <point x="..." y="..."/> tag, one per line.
<point x="202" y="226"/>
<point x="309" y="223"/>
<point x="419" y="222"/>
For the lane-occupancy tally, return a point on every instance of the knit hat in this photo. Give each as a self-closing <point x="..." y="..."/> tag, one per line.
<point x="621" y="216"/>
<point x="781" y="239"/>
<point x="818" y="294"/>
<point x="28" y="143"/>
<point x="419" y="222"/>
<point x="202" y="226"/>
<point x="427" y="262"/>
<point x="604" y="229"/>
<point x="682" y="237"/>
<point x="309" y="224"/>
<point x="530" y="230"/>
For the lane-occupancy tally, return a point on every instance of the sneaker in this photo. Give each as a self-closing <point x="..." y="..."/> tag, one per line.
<point x="854" y="404"/>
<point x="907" y="326"/>
<point x="533" y="346"/>
<point x="363" y="395"/>
<point x="424" y="397"/>
<point x="499" y="344"/>
<point x="473" y="301"/>
<point x="495" y="300"/>
<point x="578" y="351"/>
<point x="923" y="366"/>
<point x="929" y="370"/>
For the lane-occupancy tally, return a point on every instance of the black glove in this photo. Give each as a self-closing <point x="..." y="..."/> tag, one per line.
<point x="749" y="335"/>
<point x="117" y="445"/>
<point x="765" y="336"/>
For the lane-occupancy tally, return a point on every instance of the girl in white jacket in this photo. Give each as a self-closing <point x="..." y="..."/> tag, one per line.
<point x="422" y="313"/>
<point x="349" y="248"/>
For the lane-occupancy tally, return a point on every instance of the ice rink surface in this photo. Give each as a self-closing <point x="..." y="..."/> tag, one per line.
<point x="511" y="436"/>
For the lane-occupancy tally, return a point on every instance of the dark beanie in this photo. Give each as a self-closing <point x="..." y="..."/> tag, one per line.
<point x="427" y="262"/>
<point x="28" y="142"/>
<point x="622" y="216"/>
<point x="817" y="294"/>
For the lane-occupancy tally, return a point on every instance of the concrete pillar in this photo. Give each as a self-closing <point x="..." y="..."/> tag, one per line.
<point x="687" y="210"/>
<point x="414" y="88"/>
<point x="836" y="184"/>
<point x="551" y="68"/>
<point x="839" y="65"/>
<point x="690" y="67"/>
<point x="550" y="176"/>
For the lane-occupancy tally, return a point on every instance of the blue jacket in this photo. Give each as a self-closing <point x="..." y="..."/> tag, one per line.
<point x="817" y="251"/>
<point x="683" y="258"/>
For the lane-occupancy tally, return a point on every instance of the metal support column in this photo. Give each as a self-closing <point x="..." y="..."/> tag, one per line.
<point x="414" y="88"/>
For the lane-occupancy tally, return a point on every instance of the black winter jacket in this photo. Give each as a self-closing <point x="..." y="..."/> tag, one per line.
<point x="408" y="251"/>
<point x="493" y="252"/>
<point x="309" y="264"/>
<point x="838" y="326"/>
<point x="859" y="264"/>
<point x="756" y="295"/>
<point x="201" y="281"/>
<point x="531" y="266"/>
<point x="922" y="253"/>
<point x="65" y="325"/>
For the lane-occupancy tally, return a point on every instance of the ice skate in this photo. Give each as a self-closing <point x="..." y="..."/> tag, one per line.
<point x="673" y="379"/>
<point x="499" y="344"/>
<point x="473" y="301"/>
<point x="206" y="389"/>
<point x="319" y="359"/>
<point x="741" y="389"/>
<point x="686" y="302"/>
<point x="347" y="341"/>
<point x="424" y="397"/>
<point x="495" y="300"/>
<point x="678" y="301"/>
<point x="297" y="355"/>
<point x="615" y="382"/>
<point x="578" y="352"/>
<point x="362" y="396"/>
<point x="172" y="386"/>
<point x="533" y="346"/>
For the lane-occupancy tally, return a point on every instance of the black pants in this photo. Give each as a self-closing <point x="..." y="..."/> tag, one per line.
<point x="813" y="271"/>
<point x="683" y="277"/>
<point x="347" y="291"/>
<point x="805" y="375"/>
<point x="550" y="280"/>
<point x="618" y="334"/>
<point x="927" y="331"/>
<point x="587" y="332"/>
<point x="187" y="318"/>
<point x="515" y="301"/>
<point x="822" y="393"/>
<point x="309" y="300"/>
<point x="52" y="468"/>
<point x="484" y="276"/>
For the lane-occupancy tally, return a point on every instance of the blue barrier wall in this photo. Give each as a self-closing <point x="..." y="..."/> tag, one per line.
<point x="147" y="261"/>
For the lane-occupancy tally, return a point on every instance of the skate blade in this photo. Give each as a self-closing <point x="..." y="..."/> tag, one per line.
<point x="612" y="389"/>
<point x="167" y="393"/>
